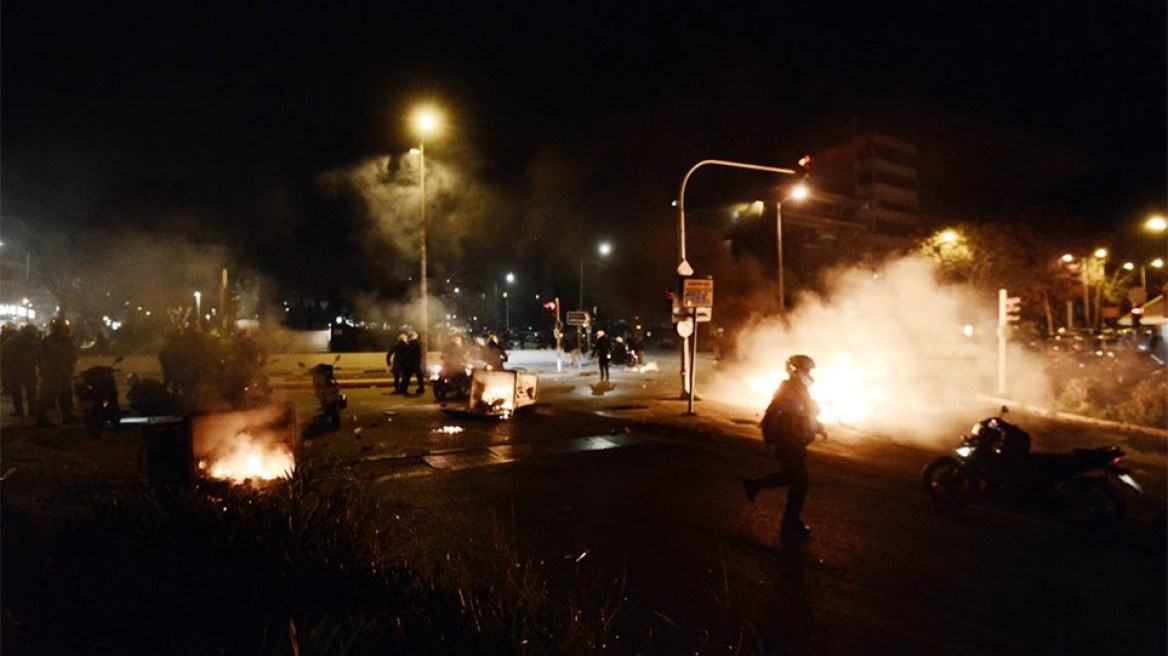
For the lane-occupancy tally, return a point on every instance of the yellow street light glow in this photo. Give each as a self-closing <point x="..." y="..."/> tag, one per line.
<point x="1157" y="223"/>
<point x="1158" y="263"/>
<point x="949" y="236"/>
<point x="1100" y="253"/>
<point x="426" y="121"/>
<point x="800" y="192"/>
<point x="604" y="248"/>
<point x="1067" y="257"/>
<point x="1128" y="266"/>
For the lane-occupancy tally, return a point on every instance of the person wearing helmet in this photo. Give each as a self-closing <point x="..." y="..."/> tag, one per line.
<point x="18" y="356"/>
<point x="790" y="423"/>
<point x="56" y="358"/>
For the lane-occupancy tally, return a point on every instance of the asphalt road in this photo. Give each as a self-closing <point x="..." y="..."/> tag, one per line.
<point x="615" y="488"/>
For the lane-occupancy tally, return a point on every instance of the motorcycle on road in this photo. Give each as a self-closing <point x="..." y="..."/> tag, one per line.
<point x="97" y="395"/>
<point x="994" y="462"/>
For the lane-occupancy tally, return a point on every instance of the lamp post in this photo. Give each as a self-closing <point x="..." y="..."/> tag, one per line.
<point x="684" y="270"/>
<point x="425" y="121"/>
<point x="199" y="308"/>
<point x="603" y="249"/>
<point x="798" y="193"/>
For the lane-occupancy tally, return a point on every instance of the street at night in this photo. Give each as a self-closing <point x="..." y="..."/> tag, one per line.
<point x="623" y="491"/>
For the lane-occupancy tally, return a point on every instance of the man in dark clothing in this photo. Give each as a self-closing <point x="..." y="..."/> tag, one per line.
<point x="417" y="363"/>
<point x="18" y="356"/>
<point x="493" y="354"/>
<point x="56" y="358"/>
<point x="398" y="360"/>
<point x="603" y="352"/>
<point x="789" y="424"/>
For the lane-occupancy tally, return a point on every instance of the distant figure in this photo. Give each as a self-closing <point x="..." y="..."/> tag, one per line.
<point x="397" y="358"/>
<point x="454" y="356"/>
<point x="603" y="352"/>
<point x="18" y="357"/>
<point x="416" y="363"/>
<point x="169" y="357"/>
<point x="620" y="352"/>
<point x="56" y="358"/>
<point x="790" y="423"/>
<point x="493" y="354"/>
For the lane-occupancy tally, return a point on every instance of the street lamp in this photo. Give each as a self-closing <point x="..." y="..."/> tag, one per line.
<point x="602" y="249"/>
<point x="199" y="308"/>
<point x="425" y="122"/>
<point x="799" y="192"/>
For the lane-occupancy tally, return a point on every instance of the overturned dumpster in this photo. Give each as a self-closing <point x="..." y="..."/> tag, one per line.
<point x="500" y="393"/>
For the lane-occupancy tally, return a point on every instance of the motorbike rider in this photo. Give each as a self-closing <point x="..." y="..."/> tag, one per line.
<point x="789" y="424"/>
<point x="493" y="354"/>
<point x="18" y="355"/>
<point x="453" y="357"/>
<point x="56" y="358"/>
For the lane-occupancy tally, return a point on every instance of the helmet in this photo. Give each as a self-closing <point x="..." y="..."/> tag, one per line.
<point x="800" y="363"/>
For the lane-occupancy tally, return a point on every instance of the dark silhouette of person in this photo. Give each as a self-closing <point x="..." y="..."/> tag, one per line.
<point x="18" y="359"/>
<point x="602" y="349"/>
<point x="170" y="358"/>
<point x="789" y="424"/>
<point x="454" y="357"/>
<point x="398" y="360"/>
<point x="416" y="363"/>
<point x="56" y="357"/>
<point x="493" y="354"/>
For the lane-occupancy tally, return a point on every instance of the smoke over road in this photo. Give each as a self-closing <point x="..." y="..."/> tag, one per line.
<point x="892" y="347"/>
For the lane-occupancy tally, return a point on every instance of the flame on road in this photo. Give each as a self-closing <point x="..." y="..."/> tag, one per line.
<point x="249" y="459"/>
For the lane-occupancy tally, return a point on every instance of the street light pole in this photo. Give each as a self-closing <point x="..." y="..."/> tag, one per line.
<point x="422" y="250"/>
<point x="798" y="193"/>
<point x="684" y="270"/>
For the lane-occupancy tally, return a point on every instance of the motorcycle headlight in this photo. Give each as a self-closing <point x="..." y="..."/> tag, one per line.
<point x="964" y="451"/>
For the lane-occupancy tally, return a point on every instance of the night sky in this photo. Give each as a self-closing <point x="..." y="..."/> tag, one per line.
<point x="218" y="122"/>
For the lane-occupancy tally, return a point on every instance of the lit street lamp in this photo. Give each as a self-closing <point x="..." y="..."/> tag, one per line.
<point x="602" y="249"/>
<point x="199" y="307"/>
<point x="799" y="192"/>
<point x="425" y="122"/>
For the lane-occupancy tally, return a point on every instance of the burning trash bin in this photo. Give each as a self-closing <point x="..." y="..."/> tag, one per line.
<point x="500" y="392"/>
<point x="253" y="445"/>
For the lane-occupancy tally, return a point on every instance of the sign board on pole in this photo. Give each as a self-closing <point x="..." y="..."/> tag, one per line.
<point x="704" y="315"/>
<point x="577" y="318"/>
<point x="697" y="293"/>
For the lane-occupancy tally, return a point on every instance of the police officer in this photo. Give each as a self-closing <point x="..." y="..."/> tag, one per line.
<point x="56" y="358"/>
<point x="789" y="424"/>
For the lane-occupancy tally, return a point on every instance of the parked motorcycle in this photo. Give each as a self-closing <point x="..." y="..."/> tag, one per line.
<point x="328" y="392"/>
<point x="97" y="396"/>
<point x="451" y="383"/>
<point x="994" y="462"/>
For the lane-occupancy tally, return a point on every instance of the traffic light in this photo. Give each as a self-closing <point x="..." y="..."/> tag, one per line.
<point x="1013" y="308"/>
<point x="551" y="311"/>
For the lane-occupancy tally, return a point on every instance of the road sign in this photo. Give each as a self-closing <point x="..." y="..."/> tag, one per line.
<point x="697" y="293"/>
<point x="577" y="318"/>
<point x="685" y="327"/>
<point x="704" y="315"/>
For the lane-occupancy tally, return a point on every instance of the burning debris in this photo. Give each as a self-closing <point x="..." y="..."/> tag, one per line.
<point x="449" y="430"/>
<point x="248" y="445"/>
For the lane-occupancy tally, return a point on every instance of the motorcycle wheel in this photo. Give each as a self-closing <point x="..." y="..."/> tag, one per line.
<point x="1092" y="503"/>
<point x="947" y="482"/>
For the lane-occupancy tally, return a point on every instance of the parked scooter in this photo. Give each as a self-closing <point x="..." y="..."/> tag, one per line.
<point x="97" y="396"/>
<point x="994" y="462"/>
<point x="328" y="392"/>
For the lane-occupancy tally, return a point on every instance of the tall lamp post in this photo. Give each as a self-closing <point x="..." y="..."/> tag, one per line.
<point x="684" y="270"/>
<point x="425" y="122"/>
<point x="799" y="192"/>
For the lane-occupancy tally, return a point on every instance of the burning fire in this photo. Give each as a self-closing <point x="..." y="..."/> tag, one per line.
<point x="839" y="390"/>
<point x="249" y="459"/>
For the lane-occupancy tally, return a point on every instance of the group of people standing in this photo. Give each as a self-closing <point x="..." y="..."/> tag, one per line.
<point x="23" y="355"/>
<point x="406" y="360"/>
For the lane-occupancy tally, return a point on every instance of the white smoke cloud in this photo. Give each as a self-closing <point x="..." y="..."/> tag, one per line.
<point x="893" y="349"/>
